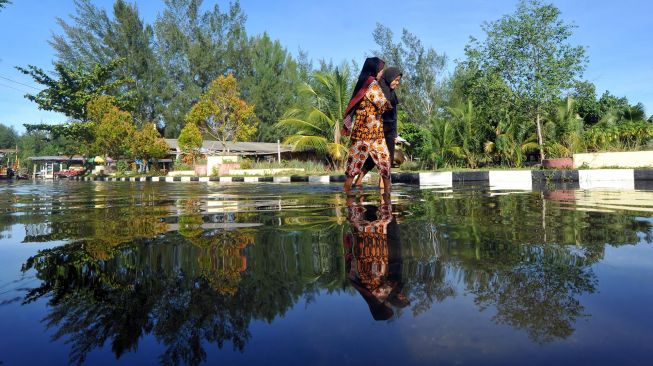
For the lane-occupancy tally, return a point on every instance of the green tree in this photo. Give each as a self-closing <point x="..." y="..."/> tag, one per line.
<point x="419" y="139"/>
<point x="68" y="138"/>
<point x="317" y="126"/>
<point x="530" y="51"/>
<point x="469" y="139"/>
<point x="271" y="84"/>
<point x="221" y="114"/>
<point x="190" y="140"/>
<point x="420" y="88"/>
<point x="73" y="88"/>
<point x="4" y="3"/>
<point x="513" y="138"/>
<point x="585" y="102"/>
<point x="194" y="48"/>
<point x="564" y="130"/>
<point x="8" y="137"/>
<point x="95" y="37"/>
<point x="113" y="128"/>
<point x="147" y="144"/>
<point x="611" y="106"/>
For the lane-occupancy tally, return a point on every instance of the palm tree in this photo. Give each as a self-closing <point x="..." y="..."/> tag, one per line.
<point x="514" y="137"/>
<point x="634" y="113"/>
<point x="564" y="130"/>
<point x="469" y="134"/>
<point x="316" y="127"/>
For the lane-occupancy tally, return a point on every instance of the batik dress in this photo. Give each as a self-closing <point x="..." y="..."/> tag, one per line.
<point x="367" y="137"/>
<point x="366" y="258"/>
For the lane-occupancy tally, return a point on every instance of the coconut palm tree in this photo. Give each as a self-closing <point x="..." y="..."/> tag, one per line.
<point x="469" y="131"/>
<point x="564" y="130"/>
<point x="514" y="137"/>
<point x="317" y="126"/>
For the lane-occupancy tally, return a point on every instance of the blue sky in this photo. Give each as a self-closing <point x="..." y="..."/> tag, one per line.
<point x="617" y="35"/>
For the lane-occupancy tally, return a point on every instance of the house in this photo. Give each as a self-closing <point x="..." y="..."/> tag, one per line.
<point x="272" y="150"/>
<point x="47" y="167"/>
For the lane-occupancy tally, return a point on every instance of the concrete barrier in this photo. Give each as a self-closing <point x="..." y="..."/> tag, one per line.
<point x="511" y="179"/>
<point x="632" y="159"/>
<point x="606" y="178"/>
<point x="440" y="179"/>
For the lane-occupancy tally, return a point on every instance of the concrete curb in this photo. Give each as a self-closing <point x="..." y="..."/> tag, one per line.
<point x="494" y="179"/>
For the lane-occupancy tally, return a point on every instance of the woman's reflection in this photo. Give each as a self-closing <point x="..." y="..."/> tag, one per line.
<point x="373" y="258"/>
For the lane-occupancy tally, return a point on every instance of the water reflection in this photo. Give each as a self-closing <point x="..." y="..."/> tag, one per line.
<point x="195" y="274"/>
<point x="373" y="258"/>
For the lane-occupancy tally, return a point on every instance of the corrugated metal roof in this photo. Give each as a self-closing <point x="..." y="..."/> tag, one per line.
<point x="57" y="158"/>
<point x="254" y="148"/>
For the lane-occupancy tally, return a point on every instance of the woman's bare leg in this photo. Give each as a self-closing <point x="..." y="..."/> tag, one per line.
<point x="386" y="186"/>
<point x="347" y="186"/>
<point x="359" y="179"/>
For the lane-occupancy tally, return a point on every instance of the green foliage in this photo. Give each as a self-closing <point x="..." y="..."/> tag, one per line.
<point x="4" y="3"/>
<point x="585" y="102"/>
<point x="513" y="138"/>
<point x="564" y="131"/>
<point x="309" y="166"/>
<point x="221" y="114"/>
<point x="410" y="166"/>
<point x="36" y="143"/>
<point x="8" y="137"/>
<point x="194" y="47"/>
<point x="74" y="88"/>
<point x="612" y="107"/>
<point x="147" y="144"/>
<point x="180" y="165"/>
<point x="113" y="129"/>
<point x="418" y="137"/>
<point x="530" y="52"/>
<point x="623" y="136"/>
<point x="67" y="138"/>
<point x="190" y="140"/>
<point x="271" y="84"/>
<point x="95" y="38"/>
<point x="317" y="126"/>
<point x="122" y="166"/>
<point x="422" y="67"/>
<point x="470" y="131"/>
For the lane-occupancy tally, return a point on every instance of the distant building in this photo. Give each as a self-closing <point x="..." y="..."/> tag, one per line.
<point x="257" y="149"/>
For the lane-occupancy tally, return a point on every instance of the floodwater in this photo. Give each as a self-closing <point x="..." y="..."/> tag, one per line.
<point x="102" y="273"/>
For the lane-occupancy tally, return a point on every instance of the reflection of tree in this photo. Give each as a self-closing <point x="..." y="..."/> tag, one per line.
<point x="169" y="285"/>
<point x="425" y="273"/>
<point x="535" y="289"/>
<point x="498" y="247"/>
<point x="94" y="302"/>
<point x="220" y="259"/>
<point x="163" y="287"/>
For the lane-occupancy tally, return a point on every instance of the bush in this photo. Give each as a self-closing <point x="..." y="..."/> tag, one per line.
<point x="410" y="166"/>
<point x="310" y="167"/>
<point x="246" y="164"/>
<point x="623" y="136"/>
<point x="179" y="165"/>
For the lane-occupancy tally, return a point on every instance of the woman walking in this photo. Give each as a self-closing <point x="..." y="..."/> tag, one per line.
<point x="367" y="139"/>
<point x="389" y="82"/>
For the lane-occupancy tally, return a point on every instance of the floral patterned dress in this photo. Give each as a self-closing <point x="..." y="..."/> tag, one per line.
<point x="367" y="136"/>
<point x="367" y="253"/>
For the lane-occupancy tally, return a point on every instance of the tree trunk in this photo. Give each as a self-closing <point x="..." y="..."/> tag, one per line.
<point x="540" y="143"/>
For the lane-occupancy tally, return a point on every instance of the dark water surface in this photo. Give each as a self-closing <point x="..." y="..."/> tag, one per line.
<point x="246" y="274"/>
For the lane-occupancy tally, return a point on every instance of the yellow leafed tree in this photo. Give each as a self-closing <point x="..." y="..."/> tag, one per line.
<point x="221" y="114"/>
